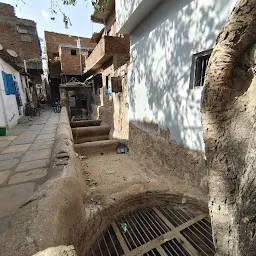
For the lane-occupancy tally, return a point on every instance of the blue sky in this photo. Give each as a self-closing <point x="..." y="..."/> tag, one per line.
<point x="39" y="11"/>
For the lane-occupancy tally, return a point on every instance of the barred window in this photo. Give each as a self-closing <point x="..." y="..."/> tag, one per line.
<point x="199" y="65"/>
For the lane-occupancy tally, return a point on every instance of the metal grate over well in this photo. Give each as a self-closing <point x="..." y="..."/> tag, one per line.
<point x="169" y="230"/>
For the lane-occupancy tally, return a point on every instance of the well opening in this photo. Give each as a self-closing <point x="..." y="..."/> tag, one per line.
<point x="163" y="230"/>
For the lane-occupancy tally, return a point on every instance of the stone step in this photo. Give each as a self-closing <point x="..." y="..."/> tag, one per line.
<point x="85" y="123"/>
<point x="96" y="147"/>
<point x="92" y="131"/>
<point x="89" y="139"/>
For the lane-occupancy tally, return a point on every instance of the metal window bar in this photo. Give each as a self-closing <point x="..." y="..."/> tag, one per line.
<point x="159" y="221"/>
<point x="206" y="225"/>
<point x="156" y="224"/>
<point x="142" y="240"/>
<point x="148" y="234"/>
<point x="128" y="238"/>
<point x="169" y="249"/>
<point x="201" y="234"/>
<point x="138" y="243"/>
<point x="153" y="252"/>
<point x="116" y="251"/>
<point x="200" y="69"/>
<point x="180" y="247"/>
<point x="171" y="217"/>
<point x="209" y="239"/>
<point x="106" y="245"/>
<point x="154" y="234"/>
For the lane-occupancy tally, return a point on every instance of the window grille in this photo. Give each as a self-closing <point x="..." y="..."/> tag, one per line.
<point x="199" y="65"/>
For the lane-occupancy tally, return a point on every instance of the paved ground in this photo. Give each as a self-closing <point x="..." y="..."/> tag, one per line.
<point x="24" y="159"/>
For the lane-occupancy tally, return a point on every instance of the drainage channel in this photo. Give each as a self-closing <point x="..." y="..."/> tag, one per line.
<point x="170" y="230"/>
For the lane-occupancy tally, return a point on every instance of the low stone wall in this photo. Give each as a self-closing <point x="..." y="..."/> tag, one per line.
<point x="61" y="211"/>
<point x="162" y="153"/>
<point x="55" y="214"/>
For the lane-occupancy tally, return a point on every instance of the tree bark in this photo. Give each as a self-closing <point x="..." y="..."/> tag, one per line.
<point x="228" y="117"/>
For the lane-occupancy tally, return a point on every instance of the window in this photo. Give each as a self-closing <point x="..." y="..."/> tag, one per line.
<point x="199" y="65"/>
<point x="73" y="52"/>
<point x="116" y="84"/>
<point x="8" y="83"/>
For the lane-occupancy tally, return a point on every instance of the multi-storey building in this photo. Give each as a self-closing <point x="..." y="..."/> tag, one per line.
<point x="66" y="57"/>
<point x="21" y="65"/>
<point x="107" y="65"/>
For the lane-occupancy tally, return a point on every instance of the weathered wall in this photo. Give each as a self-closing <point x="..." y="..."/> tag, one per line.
<point x="162" y="154"/>
<point x="9" y="101"/>
<point x="53" y="40"/>
<point x="113" y="109"/>
<point x="6" y="10"/>
<point x="161" y="56"/>
<point x="132" y="12"/>
<point x="121" y="106"/>
<point x="69" y="64"/>
<point x="18" y="34"/>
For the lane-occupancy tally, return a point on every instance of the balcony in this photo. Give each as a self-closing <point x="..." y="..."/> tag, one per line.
<point x="108" y="47"/>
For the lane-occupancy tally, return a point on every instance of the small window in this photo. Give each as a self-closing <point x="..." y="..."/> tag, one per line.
<point x="199" y="65"/>
<point x="116" y="84"/>
<point x="73" y="52"/>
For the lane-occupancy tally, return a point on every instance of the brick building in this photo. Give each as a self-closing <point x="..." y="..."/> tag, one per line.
<point x="20" y="35"/>
<point x="20" y="65"/>
<point x="64" y="58"/>
<point x="107" y="67"/>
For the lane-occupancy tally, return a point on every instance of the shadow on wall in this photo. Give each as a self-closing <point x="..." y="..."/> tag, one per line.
<point x="161" y="53"/>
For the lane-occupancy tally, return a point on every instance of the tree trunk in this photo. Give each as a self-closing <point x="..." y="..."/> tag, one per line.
<point x="228" y="116"/>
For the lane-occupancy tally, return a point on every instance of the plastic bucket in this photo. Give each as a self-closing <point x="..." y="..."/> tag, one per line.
<point x="2" y="131"/>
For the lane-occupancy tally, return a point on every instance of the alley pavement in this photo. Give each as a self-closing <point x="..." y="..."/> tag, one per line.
<point x="25" y="154"/>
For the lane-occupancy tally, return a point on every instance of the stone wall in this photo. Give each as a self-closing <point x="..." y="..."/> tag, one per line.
<point x="113" y="109"/>
<point x="162" y="153"/>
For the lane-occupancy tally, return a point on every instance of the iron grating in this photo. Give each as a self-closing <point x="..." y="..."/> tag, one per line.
<point x="169" y="230"/>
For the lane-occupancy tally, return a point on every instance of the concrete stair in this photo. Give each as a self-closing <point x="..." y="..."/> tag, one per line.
<point x="91" y="137"/>
<point x="96" y="147"/>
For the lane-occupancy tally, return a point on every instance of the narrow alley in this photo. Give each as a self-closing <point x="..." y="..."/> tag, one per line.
<point x="127" y="128"/>
<point x="25" y="155"/>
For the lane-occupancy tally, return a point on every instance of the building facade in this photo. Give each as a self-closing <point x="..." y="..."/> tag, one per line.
<point x="65" y="58"/>
<point x="20" y="65"/>
<point x="20" y="35"/>
<point x="107" y="66"/>
<point x="170" y="45"/>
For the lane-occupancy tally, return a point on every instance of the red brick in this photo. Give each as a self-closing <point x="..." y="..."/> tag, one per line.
<point x="62" y="44"/>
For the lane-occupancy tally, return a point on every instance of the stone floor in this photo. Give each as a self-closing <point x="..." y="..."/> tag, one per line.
<point x="24" y="159"/>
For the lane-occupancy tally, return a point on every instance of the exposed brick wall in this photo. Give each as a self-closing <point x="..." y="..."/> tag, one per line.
<point x="18" y="34"/>
<point x="69" y="64"/>
<point x="6" y="10"/>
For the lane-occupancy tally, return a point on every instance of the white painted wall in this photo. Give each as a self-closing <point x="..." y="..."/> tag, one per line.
<point x="159" y="74"/>
<point x="131" y="12"/>
<point x="8" y="102"/>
